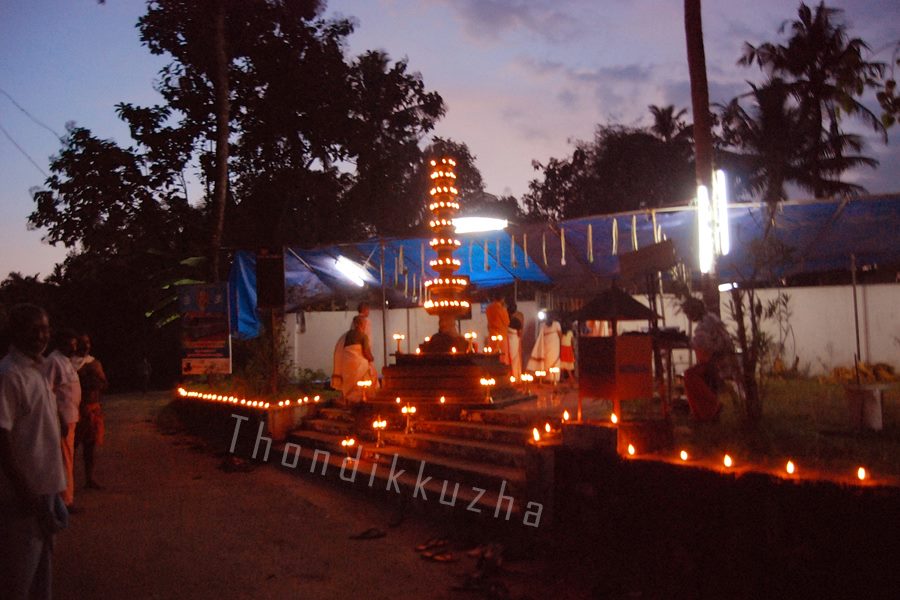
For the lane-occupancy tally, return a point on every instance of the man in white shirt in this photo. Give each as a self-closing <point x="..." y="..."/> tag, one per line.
<point x="67" y="389"/>
<point x="31" y="467"/>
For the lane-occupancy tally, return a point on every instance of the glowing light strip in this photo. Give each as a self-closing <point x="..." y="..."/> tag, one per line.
<point x="479" y="224"/>
<point x="704" y="230"/>
<point x="352" y="271"/>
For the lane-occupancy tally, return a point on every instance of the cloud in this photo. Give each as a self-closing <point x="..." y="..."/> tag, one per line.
<point x="553" y="20"/>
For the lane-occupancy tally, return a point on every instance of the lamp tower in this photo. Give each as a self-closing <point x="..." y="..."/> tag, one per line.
<point x="446" y="292"/>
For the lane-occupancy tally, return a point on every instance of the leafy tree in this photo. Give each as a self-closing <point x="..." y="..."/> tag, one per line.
<point x="826" y="74"/>
<point x="767" y="147"/>
<point x="622" y="169"/>
<point x="474" y="200"/>
<point x="102" y="199"/>
<point x="887" y="94"/>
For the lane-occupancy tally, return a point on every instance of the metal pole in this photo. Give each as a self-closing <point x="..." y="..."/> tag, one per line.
<point x="855" y="315"/>
<point x="384" y="357"/>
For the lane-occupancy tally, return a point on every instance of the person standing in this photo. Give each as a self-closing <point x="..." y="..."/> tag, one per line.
<point x="713" y="347"/>
<point x="567" y="352"/>
<point x="498" y="327"/>
<point x="545" y="354"/>
<point x="31" y="465"/>
<point x="90" y="429"/>
<point x="356" y="358"/>
<point x="516" y="325"/>
<point x="66" y="388"/>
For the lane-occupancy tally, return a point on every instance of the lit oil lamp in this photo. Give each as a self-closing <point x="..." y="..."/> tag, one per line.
<point x="348" y="443"/>
<point x="408" y="411"/>
<point x="379" y="425"/>
<point x="488" y="383"/>
<point x="364" y="385"/>
<point x="399" y="337"/>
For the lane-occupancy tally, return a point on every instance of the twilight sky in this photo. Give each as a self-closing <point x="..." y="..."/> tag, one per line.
<point x="521" y="78"/>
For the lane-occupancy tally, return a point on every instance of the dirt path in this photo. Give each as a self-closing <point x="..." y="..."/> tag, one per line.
<point x="170" y="523"/>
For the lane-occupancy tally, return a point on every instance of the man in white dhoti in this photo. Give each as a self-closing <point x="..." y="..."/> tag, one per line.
<point x="355" y="362"/>
<point x="516" y="325"/>
<point x="545" y="353"/>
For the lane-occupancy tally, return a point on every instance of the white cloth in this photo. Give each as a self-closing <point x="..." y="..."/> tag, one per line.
<point x="515" y="353"/>
<point x="545" y="353"/>
<point x="66" y="387"/>
<point x="337" y="367"/>
<point x="28" y="412"/>
<point x="354" y="367"/>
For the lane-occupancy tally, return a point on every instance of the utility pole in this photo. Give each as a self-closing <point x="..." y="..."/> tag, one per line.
<point x="703" y="154"/>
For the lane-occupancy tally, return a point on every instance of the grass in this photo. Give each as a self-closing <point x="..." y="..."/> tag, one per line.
<point x="808" y="422"/>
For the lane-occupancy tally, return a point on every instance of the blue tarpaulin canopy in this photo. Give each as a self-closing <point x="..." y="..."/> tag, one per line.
<point x="820" y="235"/>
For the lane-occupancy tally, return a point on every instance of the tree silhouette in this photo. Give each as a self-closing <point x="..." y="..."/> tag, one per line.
<point x="826" y="73"/>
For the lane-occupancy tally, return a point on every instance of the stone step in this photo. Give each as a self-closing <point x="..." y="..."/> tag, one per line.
<point x="335" y="414"/>
<point x="520" y="420"/>
<point x="330" y="426"/>
<point x="508" y="455"/>
<point x="470" y="477"/>
<point x="500" y="434"/>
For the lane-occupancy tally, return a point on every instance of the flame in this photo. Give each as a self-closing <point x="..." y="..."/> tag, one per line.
<point x="727" y="461"/>
<point x="443" y="400"/>
<point x="536" y="434"/>
<point x="614" y="418"/>
<point x="683" y="455"/>
<point x="565" y="415"/>
<point x="861" y="473"/>
<point x="547" y="427"/>
<point x="790" y="468"/>
<point x="630" y="450"/>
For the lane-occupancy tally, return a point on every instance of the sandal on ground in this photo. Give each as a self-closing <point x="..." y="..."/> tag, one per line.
<point x="442" y="557"/>
<point x="371" y="533"/>
<point x="431" y="544"/>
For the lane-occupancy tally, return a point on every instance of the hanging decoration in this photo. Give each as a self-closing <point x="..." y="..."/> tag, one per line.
<point x="634" y="241"/>
<point x="512" y="252"/>
<point x="655" y="228"/>
<point x="544" y="247"/>
<point x="525" y="248"/>
<point x="615" y="237"/>
<point x="487" y="266"/>
<point x="471" y="247"/>
<point x="562" y="245"/>
<point x="590" y="243"/>
<point x="499" y="260"/>
<point x="422" y="260"/>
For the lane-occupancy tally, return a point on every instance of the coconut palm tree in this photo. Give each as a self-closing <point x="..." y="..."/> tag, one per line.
<point x="770" y="147"/>
<point x="667" y="124"/>
<point x="826" y="73"/>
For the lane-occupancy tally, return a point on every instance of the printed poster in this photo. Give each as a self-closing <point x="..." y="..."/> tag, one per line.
<point x="205" y="328"/>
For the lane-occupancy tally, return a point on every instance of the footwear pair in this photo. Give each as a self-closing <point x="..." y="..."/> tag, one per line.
<point x="372" y="533"/>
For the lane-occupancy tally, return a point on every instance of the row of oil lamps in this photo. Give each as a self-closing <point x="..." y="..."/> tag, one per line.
<point x="226" y="399"/>
<point x="790" y="467"/>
